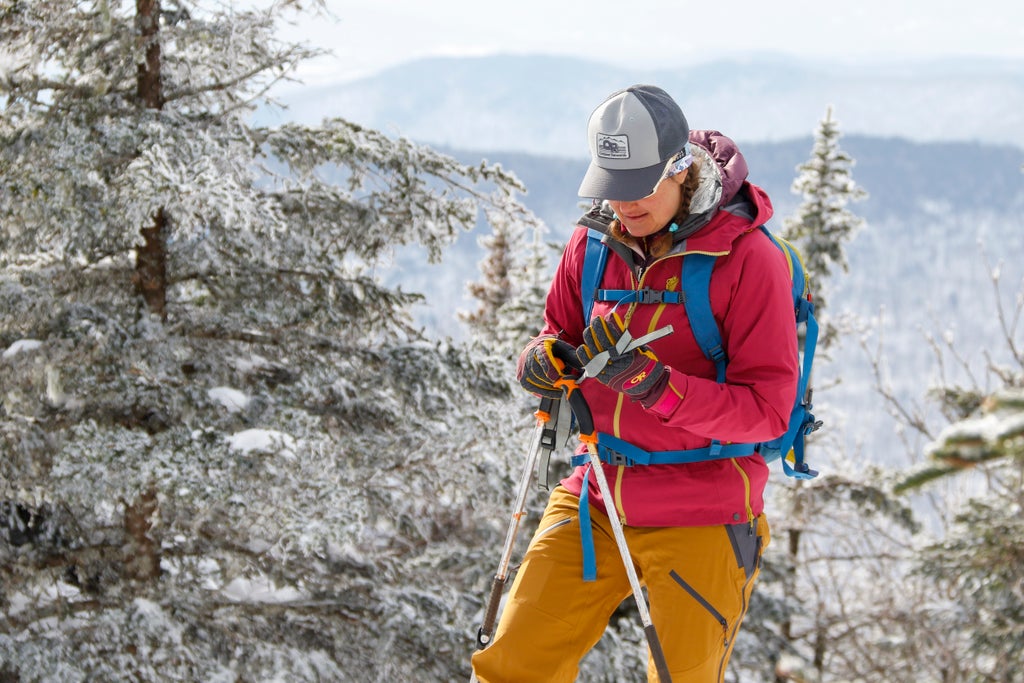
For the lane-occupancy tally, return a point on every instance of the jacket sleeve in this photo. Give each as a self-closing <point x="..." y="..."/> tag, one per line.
<point x="563" y="307"/>
<point x="752" y="301"/>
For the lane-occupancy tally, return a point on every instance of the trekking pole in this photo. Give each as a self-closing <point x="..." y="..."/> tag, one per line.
<point x="486" y="631"/>
<point x="588" y="435"/>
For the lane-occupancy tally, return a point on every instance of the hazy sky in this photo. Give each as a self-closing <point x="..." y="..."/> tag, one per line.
<point x="370" y="35"/>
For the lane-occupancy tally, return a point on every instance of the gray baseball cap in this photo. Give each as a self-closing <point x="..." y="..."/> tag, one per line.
<point x="632" y="136"/>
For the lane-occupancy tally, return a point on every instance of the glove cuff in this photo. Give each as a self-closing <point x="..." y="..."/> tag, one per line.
<point x="663" y="398"/>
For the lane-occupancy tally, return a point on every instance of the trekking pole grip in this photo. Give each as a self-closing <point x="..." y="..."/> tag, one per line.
<point x="570" y="386"/>
<point x="483" y="635"/>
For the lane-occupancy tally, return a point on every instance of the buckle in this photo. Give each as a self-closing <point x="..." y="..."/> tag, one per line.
<point x="649" y="296"/>
<point x="615" y="458"/>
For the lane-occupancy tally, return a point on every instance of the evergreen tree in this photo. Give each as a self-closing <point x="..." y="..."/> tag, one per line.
<point x="845" y="522"/>
<point x="822" y="224"/>
<point x="940" y="603"/>
<point x="496" y="269"/>
<point x="520" y="318"/>
<point x="226" y="452"/>
<point x="512" y="293"/>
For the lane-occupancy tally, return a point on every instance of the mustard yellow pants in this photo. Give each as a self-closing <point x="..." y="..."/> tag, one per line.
<point x="698" y="579"/>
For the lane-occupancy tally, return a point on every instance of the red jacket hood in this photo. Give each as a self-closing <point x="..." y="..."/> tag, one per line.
<point x="723" y="188"/>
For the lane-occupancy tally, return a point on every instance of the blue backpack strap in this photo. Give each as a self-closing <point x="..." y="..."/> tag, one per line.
<point x="640" y="296"/>
<point x="616" y="451"/>
<point x="595" y="258"/>
<point x="696" y="281"/>
<point x="801" y="421"/>
<point x="797" y="274"/>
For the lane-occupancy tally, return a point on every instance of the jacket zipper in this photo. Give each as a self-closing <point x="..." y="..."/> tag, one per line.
<point x="746" y="489"/>
<point x="621" y="469"/>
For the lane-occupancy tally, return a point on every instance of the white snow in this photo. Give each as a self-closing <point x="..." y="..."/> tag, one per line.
<point x="46" y="594"/>
<point x="262" y="441"/>
<point x="232" y="399"/>
<point x="20" y="346"/>
<point x="262" y="590"/>
<point x="988" y="428"/>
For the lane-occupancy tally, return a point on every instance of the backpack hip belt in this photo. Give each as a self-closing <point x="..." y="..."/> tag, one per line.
<point x="616" y="451"/>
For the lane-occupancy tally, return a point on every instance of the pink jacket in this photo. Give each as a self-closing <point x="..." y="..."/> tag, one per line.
<point x="752" y="303"/>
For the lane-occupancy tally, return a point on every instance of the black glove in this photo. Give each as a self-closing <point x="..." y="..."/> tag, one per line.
<point x="544" y="361"/>
<point x="637" y="373"/>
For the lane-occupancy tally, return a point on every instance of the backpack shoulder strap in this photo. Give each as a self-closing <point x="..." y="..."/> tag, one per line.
<point x="696" y="284"/>
<point x="595" y="258"/>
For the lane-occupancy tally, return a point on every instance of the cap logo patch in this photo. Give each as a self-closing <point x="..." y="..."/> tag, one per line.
<point x="612" y="146"/>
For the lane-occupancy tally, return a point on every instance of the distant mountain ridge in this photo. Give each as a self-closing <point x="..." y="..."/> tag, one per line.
<point x="540" y="104"/>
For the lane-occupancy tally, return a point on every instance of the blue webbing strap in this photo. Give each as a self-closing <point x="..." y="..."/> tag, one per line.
<point x="640" y="296"/>
<point x="595" y="258"/>
<point x="696" y="278"/>
<point x="801" y="422"/>
<point x="587" y="530"/>
<point x="616" y="451"/>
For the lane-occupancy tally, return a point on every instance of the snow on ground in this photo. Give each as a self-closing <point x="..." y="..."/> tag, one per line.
<point x="261" y="589"/>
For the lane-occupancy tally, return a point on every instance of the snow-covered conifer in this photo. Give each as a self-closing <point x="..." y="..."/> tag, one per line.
<point x="226" y="451"/>
<point x="822" y="224"/>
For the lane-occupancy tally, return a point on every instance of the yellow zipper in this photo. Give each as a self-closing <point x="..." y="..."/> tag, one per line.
<point x="618" y="494"/>
<point x="746" y="488"/>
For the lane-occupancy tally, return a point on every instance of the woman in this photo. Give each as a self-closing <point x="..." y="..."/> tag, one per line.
<point x="695" y="529"/>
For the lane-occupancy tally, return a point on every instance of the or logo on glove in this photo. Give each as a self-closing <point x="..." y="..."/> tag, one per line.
<point x="636" y="380"/>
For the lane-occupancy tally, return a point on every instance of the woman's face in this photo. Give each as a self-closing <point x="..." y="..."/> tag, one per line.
<point x="647" y="216"/>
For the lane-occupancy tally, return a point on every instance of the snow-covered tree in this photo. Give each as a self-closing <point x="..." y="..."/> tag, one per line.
<point x="226" y="453"/>
<point x="944" y="603"/>
<point x="822" y="224"/>
<point x="845" y="523"/>
<point x="977" y="567"/>
<point x="494" y="288"/>
<point x="521" y="317"/>
<point x="516" y="276"/>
